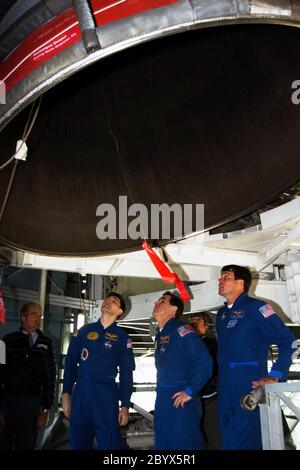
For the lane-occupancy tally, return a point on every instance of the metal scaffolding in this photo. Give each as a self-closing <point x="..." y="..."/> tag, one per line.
<point x="271" y="414"/>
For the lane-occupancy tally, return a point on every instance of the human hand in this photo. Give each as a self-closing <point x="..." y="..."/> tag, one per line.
<point x="180" y="398"/>
<point x="123" y="416"/>
<point x="263" y="381"/>
<point x="43" y="419"/>
<point x="66" y="404"/>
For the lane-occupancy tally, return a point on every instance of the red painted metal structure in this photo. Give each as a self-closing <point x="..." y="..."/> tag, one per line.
<point x="63" y="31"/>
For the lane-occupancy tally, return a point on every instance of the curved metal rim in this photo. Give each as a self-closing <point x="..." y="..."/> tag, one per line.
<point x="76" y="66"/>
<point x="243" y="213"/>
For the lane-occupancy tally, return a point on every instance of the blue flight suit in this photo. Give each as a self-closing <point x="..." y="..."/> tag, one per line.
<point x="94" y="356"/>
<point x="245" y="333"/>
<point x="183" y="363"/>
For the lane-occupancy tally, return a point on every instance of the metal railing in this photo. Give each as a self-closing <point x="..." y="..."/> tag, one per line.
<point x="269" y="399"/>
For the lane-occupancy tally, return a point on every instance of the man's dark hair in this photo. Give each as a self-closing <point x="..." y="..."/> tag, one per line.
<point x="176" y="302"/>
<point x="25" y="307"/>
<point x="204" y="315"/>
<point x="122" y="301"/>
<point x="240" y="272"/>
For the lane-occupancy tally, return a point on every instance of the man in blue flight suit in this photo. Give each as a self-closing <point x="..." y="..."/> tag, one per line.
<point x="246" y="328"/>
<point x="95" y="355"/>
<point x="183" y="367"/>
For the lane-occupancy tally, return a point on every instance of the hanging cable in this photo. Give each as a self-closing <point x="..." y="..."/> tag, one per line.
<point x="8" y="189"/>
<point x="27" y="130"/>
<point x="28" y="127"/>
<point x="8" y="162"/>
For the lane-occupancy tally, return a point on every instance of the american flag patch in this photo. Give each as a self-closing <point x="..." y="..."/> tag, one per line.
<point x="267" y="310"/>
<point x="185" y="329"/>
<point x="129" y="344"/>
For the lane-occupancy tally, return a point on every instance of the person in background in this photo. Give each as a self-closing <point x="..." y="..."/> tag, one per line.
<point x="246" y="328"/>
<point x="183" y="367"/>
<point x="200" y="323"/>
<point x="27" y="382"/>
<point x="90" y="393"/>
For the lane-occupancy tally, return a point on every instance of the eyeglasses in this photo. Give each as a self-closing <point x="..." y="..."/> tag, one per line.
<point x="35" y="315"/>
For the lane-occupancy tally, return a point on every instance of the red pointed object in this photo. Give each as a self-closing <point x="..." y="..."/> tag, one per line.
<point x="166" y="274"/>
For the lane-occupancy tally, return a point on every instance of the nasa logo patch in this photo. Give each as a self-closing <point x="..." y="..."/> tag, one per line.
<point x="231" y="323"/>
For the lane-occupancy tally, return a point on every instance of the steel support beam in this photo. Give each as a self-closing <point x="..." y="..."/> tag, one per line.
<point x="26" y="295"/>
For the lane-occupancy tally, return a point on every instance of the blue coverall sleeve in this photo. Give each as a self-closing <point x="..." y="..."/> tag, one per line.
<point x="126" y="367"/>
<point x="275" y="330"/>
<point x="71" y="364"/>
<point x="200" y="363"/>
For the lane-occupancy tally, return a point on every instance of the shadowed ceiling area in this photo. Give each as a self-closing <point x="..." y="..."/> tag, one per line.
<point x="202" y="117"/>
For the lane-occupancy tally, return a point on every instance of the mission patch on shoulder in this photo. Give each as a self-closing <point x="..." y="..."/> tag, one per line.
<point x="185" y="329"/>
<point x="267" y="310"/>
<point x="92" y="335"/>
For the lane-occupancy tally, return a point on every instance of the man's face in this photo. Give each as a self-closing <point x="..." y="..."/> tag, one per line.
<point x="163" y="310"/>
<point x="31" y="320"/>
<point x="199" y="325"/>
<point x="228" y="286"/>
<point x="112" y="306"/>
